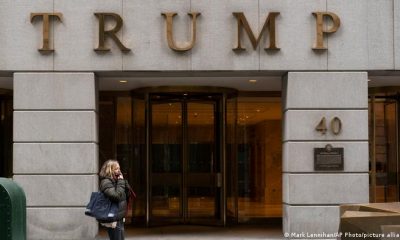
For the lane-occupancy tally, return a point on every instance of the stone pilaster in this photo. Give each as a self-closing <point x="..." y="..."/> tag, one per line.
<point x="56" y="152"/>
<point x="311" y="198"/>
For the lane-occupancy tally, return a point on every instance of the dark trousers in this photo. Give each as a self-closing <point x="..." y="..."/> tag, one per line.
<point x="118" y="232"/>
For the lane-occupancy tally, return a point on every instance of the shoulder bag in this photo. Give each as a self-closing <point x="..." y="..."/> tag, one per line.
<point x="102" y="208"/>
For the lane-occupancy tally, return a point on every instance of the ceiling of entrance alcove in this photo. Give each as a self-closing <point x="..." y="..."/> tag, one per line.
<point x="241" y="83"/>
<point x="268" y="81"/>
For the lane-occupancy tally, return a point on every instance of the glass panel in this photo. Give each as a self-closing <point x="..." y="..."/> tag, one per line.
<point x="259" y="158"/>
<point x="123" y="134"/>
<point x="6" y="130"/>
<point x="166" y="201"/>
<point x="123" y="139"/>
<point x="231" y="163"/>
<point x="166" y="159"/>
<point x="386" y="150"/>
<point x="390" y="183"/>
<point x="106" y="129"/>
<point x="203" y="162"/>
<point x="138" y="167"/>
<point x="201" y="202"/>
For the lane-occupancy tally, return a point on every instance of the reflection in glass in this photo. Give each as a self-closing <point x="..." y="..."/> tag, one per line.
<point x="385" y="147"/>
<point x="166" y="159"/>
<point x="259" y="158"/>
<point x="203" y="159"/>
<point x="185" y="155"/>
<point x="117" y="115"/>
<point x="166" y="201"/>
<point x="231" y="161"/>
<point x="123" y="134"/>
<point x="138" y="176"/>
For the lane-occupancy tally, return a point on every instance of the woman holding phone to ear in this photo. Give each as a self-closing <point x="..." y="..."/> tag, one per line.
<point x="115" y="187"/>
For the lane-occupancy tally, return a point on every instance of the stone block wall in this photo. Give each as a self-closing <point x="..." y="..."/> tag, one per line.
<point x="368" y="38"/>
<point x="311" y="198"/>
<point x="55" y="147"/>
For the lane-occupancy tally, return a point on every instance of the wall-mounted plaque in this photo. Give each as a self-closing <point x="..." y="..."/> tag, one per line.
<point x="328" y="158"/>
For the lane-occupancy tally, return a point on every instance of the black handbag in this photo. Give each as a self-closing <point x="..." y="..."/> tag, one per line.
<point x="102" y="208"/>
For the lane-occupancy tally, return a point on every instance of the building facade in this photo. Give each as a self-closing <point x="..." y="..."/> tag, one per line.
<point x="220" y="112"/>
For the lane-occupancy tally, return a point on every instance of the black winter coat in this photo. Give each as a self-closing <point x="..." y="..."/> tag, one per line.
<point x="116" y="191"/>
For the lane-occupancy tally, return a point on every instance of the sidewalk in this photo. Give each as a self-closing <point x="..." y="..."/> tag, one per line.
<point x="199" y="232"/>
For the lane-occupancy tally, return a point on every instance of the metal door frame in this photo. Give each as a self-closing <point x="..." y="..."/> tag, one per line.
<point x="225" y="93"/>
<point x="184" y="209"/>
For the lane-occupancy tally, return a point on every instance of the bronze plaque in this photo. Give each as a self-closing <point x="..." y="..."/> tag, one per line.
<point x="328" y="158"/>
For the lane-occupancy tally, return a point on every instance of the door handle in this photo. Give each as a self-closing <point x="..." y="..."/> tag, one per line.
<point x="219" y="180"/>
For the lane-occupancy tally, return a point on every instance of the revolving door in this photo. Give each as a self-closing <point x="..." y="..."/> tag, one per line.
<point x="188" y="163"/>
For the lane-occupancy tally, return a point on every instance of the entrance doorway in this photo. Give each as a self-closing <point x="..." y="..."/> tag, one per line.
<point x="196" y="155"/>
<point x="384" y="144"/>
<point x="186" y="155"/>
<point x="185" y="158"/>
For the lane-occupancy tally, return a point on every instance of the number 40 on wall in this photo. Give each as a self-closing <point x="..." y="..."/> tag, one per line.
<point x="335" y="126"/>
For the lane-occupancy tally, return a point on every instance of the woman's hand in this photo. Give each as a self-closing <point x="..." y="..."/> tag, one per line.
<point x="120" y="176"/>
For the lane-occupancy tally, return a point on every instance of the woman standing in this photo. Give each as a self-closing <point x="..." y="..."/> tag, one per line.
<point x="115" y="187"/>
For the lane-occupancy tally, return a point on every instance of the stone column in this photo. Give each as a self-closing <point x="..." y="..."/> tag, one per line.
<point x="56" y="152"/>
<point x="311" y="198"/>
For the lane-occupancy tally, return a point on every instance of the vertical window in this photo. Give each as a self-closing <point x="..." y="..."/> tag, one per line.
<point x="259" y="158"/>
<point x="384" y="146"/>
<point x="6" y="133"/>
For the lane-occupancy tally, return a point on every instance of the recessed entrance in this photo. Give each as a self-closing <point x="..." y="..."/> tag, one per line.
<point x="185" y="158"/>
<point x="186" y="155"/>
<point x="196" y="155"/>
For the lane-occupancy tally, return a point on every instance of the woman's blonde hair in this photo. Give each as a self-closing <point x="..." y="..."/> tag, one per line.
<point x="107" y="170"/>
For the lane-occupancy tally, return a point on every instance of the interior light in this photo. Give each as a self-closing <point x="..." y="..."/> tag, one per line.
<point x="252" y="81"/>
<point x="369" y="80"/>
<point x="258" y="110"/>
<point x="123" y="81"/>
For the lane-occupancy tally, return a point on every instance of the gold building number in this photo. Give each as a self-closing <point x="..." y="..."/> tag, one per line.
<point x="335" y="126"/>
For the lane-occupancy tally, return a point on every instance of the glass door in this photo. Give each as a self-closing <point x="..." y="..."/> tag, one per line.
<point x="204" y="178"/>
<point x="390" y="193"/>
<point x="166" y="162"/>
<point x="384" y="147"/>
<point x="185" y="164"/>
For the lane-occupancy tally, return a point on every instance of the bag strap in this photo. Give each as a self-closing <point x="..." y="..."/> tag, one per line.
<point x="129" y="193"/>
